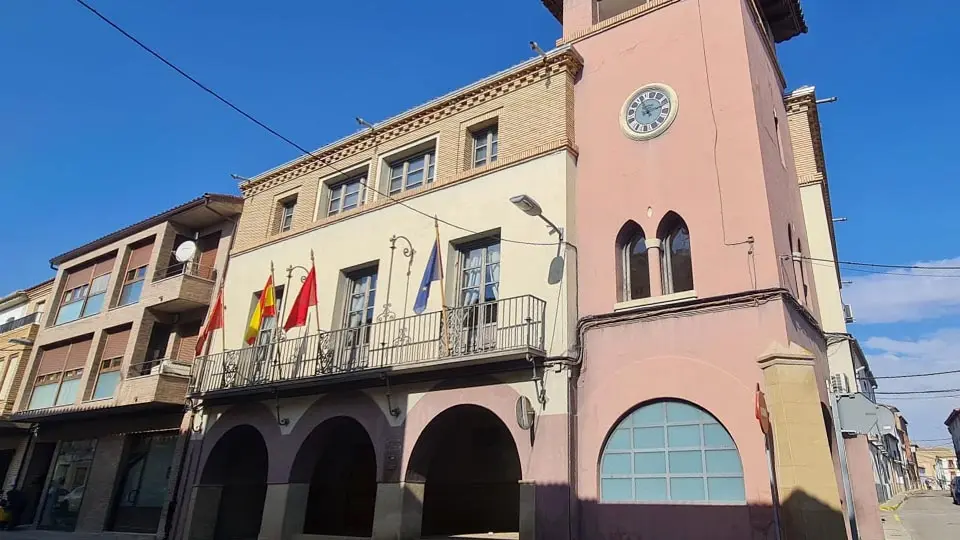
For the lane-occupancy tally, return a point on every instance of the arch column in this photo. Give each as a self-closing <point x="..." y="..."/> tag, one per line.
<point x="654" y="248"/>
<point x="399" y="511"/>
<point x="284" y="510"/>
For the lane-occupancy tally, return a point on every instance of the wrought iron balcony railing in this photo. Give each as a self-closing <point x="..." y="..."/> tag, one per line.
<point x="511" y="324"/>
<point x="17" y="323"/>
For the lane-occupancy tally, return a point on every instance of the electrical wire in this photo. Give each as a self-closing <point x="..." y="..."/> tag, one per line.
<point x="277" y="134"/>
<point x="941" y="391"/>
<point x="817" y="262"/>
<point x="912" y="375"/>
<point x="879" y="265"/>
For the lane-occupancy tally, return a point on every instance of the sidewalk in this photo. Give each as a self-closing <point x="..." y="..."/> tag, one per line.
<point x="893" y="528"/>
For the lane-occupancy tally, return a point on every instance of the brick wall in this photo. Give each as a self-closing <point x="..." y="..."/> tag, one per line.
<point x="533" y="106"/>
<point x="98" y="492"/>
<point x="807" y="145"/>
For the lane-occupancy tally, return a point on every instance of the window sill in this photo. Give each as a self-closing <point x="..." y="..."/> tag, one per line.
<point x="655" y="300"/>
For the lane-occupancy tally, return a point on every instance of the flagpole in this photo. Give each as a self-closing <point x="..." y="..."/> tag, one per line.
<point x="443" y="290"/>
<point x="316" y="307"/>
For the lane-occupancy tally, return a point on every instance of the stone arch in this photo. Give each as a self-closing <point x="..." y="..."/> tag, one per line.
<point x="468" y="462"/>
<point x="338" y="462"/>
<point x="499" y="398"/>
<point x="357" y="406"/>
<point x="255" y="415"/>
<point x="234" y="479"/>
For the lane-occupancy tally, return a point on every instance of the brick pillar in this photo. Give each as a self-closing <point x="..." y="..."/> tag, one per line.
<point x="98" y="493"/>
<point x="806" y="480"/>
<point x="653" y="260"/>
<point x="398" y="512"/>
<point x="284" y="511"/>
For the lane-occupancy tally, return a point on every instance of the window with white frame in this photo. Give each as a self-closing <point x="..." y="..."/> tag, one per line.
<point x="412" y="172"/>
<point x="674" y="451"/>
<point x="485" y="146"/>
<point x="347" y="195"/>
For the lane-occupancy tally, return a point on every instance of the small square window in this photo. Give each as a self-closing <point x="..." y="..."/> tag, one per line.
<point x="485" y="146"/>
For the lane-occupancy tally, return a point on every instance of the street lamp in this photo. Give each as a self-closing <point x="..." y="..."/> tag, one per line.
<point x="529" y="206"/>
<point x="21" y="341"/>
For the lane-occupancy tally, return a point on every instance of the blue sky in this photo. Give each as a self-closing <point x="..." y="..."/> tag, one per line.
<point x="115" y="136"/>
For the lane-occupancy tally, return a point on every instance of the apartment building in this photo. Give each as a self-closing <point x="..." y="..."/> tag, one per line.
<point x="105" y="384"/>
<point x="20" y="314"/>
<point x="938" y="466"/>
<point x="392" y="413"/>
<point x="953" y="426"/>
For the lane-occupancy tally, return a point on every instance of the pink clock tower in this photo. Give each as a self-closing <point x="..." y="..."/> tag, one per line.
<point x="694" y="292"/>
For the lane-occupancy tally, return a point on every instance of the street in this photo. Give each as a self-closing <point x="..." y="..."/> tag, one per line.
<point x="930" y="515"/>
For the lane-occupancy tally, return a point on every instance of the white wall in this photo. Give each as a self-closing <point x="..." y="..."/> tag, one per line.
<point x="481" y="204"/>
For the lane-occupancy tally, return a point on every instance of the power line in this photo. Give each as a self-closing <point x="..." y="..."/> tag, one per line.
<point x="879" y="265"/>
<point x="911" y="375"/>
<point x="272" y="131"/>
<point x="942" y="391"/>
<point x="913" y="398"/>
<point x="818" y="262"/>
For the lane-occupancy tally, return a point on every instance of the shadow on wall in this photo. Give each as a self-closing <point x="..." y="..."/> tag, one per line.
<point x="801" y="517"/>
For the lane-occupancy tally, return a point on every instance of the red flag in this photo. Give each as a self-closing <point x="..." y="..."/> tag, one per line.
<point x="306" y="298"/>
<point x="215" y="322"/>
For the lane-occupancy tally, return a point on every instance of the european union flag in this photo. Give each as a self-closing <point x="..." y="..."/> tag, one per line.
<point x="433" y="272"/>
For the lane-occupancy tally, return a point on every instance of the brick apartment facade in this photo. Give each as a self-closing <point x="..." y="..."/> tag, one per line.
<point x="105" y="383"/>
<point x="20" y="315"/>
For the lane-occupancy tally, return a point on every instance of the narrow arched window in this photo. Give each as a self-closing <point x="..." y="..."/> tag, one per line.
<point x="676" y="263"/>
<point x="670" y="451"/>
<point x="633" y="265"/>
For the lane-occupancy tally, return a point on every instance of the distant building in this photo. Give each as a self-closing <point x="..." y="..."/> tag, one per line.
<point x="937" y="466"/>
<point x="20" y="315"/>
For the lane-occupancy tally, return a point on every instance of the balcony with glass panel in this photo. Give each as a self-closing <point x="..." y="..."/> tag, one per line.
<point x="481" y="333"/>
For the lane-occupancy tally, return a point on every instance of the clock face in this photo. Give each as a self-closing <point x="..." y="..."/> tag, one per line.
<point x="649" y="111"/>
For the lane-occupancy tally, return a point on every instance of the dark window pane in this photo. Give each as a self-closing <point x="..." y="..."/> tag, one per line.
<point x="681" y="265"/>
<point x="638" y="268"/>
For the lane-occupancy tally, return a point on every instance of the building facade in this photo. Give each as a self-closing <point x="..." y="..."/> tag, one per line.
<point x="691" y="301"/>
<point x="953" y="426"/>
<point x="670" y="378"/>
<point x="105" y="383"/>
<point x="20" y="315"/>
<point x="937" y="467"/>
<point x="389" y="415"/>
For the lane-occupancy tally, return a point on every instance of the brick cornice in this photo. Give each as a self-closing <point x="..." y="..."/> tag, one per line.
<point x="564" y="61"/>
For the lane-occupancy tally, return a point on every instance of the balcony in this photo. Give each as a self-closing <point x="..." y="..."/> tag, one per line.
<point x="506" y="329"/>
<point x="160" y="381"/>
<point x="19" y="323"/>
<point x="182" y="286"/>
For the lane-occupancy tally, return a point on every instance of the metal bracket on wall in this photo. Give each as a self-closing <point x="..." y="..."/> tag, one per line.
<point x="276" y="398"/>
<point x="394" y="411"/>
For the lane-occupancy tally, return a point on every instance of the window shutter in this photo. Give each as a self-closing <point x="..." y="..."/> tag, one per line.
<point x="104" y="267"/>
<point x="52" y="360"/>
<point x="78" y="277"/>
<point x="139" y="256"/>
<point x="77" y="357"/>
<point x="116" y="344"/>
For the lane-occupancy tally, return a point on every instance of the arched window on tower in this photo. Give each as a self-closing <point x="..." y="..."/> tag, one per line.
<point x="633" y="266"/>
<point x="670" y="451"/>
<point x="676" y="263"/>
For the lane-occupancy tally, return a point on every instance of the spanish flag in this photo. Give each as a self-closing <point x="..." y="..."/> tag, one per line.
<point x="266" y="307"/>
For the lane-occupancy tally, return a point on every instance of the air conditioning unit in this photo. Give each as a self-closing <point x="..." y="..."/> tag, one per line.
<point x="839" y="383"/>
<point x="848" y="314"/>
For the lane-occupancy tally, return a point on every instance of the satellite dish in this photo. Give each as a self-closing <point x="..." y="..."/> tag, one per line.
<point x="555" y="274"/>
<point x="185" y="251"/>
<point x="525" y="412"/>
